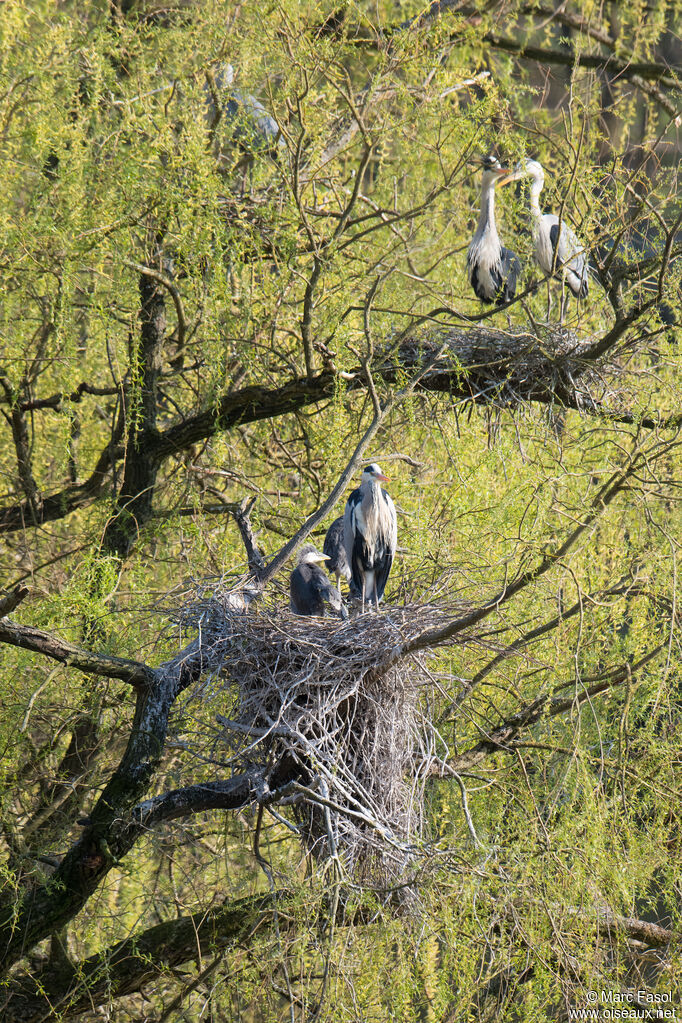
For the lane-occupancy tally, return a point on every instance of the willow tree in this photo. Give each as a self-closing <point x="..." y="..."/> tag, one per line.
<point x="233" y="260"/>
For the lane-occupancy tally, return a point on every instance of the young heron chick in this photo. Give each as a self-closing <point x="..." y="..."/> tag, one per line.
<point x="309" y="588"/>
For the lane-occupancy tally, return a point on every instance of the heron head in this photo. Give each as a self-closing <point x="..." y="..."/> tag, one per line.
<point x="493" y="171"/>
<point x="525" y="169"/>
<point x="373" y="472"/>
<point x="309" y="555"/>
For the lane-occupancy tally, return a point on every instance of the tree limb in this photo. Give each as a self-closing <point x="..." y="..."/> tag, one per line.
<point x="230" y="794"/>
<point x="501" y="739"/>
<point x="606" y="495"/>
<point x="479" y="365"/>
<point x="12" y="600"/>
<point x="134" y="673"/>
<point x="127" y="966"/>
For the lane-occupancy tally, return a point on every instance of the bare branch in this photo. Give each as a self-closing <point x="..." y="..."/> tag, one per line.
<point x="231" y="794"/>
<point x="550" y="705"/>
<point x="156" y="275"/>
<point x="12" y="600"/>
<point x="241" y="515"/>
<point x="125" y="967"/>
<point x="606" y="495"/>
<point x="134" y="673"/>
<point x="480" y="365"/>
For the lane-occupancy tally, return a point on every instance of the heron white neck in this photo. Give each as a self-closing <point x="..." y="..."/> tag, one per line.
<point x="535" y="189"/>
<point x="486" y="218"/>
<point x="371" y="493"/>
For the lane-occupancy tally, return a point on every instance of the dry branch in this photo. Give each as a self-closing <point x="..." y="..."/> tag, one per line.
<point x="480" y="365"/>
<point x="12" y="600"/>
<point x="125" y="967"/>
<point x="550" y="705"/>
<point x="135" y="673"/>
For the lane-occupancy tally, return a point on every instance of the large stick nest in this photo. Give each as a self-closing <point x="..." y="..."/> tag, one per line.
<point x="339" y="706"/>
<point x="504" y="368"/>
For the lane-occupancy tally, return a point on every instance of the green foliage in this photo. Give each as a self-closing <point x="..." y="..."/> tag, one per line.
<point x="112" y="161"/>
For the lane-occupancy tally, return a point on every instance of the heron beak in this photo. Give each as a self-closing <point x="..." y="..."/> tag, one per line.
<point x="512" y="175"/>
<point x="380" y="476"/>
<point x="509" y="176"/>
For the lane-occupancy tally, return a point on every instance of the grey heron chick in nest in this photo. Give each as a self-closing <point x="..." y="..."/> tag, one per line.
<point x="309" y="588"/>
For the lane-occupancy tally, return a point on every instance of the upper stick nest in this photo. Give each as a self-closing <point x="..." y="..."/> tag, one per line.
<point x="509" y="367"/>
<point x="341" y="701"/>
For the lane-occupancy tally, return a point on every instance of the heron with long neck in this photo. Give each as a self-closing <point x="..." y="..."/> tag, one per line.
<point x="558" y="250"/>
<point x="370" y="536"/>
<point x="493" y="270"/>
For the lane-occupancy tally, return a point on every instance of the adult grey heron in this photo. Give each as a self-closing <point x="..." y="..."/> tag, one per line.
<point x="338" y="564"/>
<point x="493" y="270"/>
<point x="370" y="536"/>
<point x="558" y="249"/>
<point x="309" y="588"/>
<point x="239" y="117"/>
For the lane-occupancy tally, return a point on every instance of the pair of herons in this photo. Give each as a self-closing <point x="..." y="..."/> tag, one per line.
<point x="359" y="546"/>
<point x="493" y="269"/>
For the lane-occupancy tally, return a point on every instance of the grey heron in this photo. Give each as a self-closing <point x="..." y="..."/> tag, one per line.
<point x="558" y="249"/>
<point x="309" y="588"/>
<point x="370" y="535"/>
<point x="493" y="270"/>
<point x="338" y="564"/>
<point x="245" y="119"/>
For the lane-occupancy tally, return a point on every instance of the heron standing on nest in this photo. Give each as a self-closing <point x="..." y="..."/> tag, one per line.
<point x="370" y="536"/>
<point x="558" y="250"/>
<point x="338" y="564"/>
<point x="493" y="270"/>
<point x="309" y="588"/>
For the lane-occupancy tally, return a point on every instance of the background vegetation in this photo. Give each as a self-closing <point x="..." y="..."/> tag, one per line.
<point x="213" y="283"/>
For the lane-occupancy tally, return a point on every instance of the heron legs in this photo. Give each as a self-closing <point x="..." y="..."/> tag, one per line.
<point x="549" y="301"/>
<point x="562" y="308"/>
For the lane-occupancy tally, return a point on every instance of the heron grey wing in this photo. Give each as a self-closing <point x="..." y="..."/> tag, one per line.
<point x="246" y="119"/>
<point x="511" y="271"/>
<point x="349" y="525"/>
<point x="335" y="549"/>
<point x="264" y="123"/>
<point x="551" y="223"/>
<point x="349" y="531"/>
<point x="570" y="255"/>
<point x="382" y="570"/>
<point x="384" y="559"/>
<point x="566" y="244"/>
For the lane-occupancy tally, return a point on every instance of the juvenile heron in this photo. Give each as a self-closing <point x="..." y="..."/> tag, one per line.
<point x="370" y="536"/>
<point x="309" y="588"/>
<point x="338" y="564"/>
<point x="493" y="270"/>
<point x="558" y="249"/>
